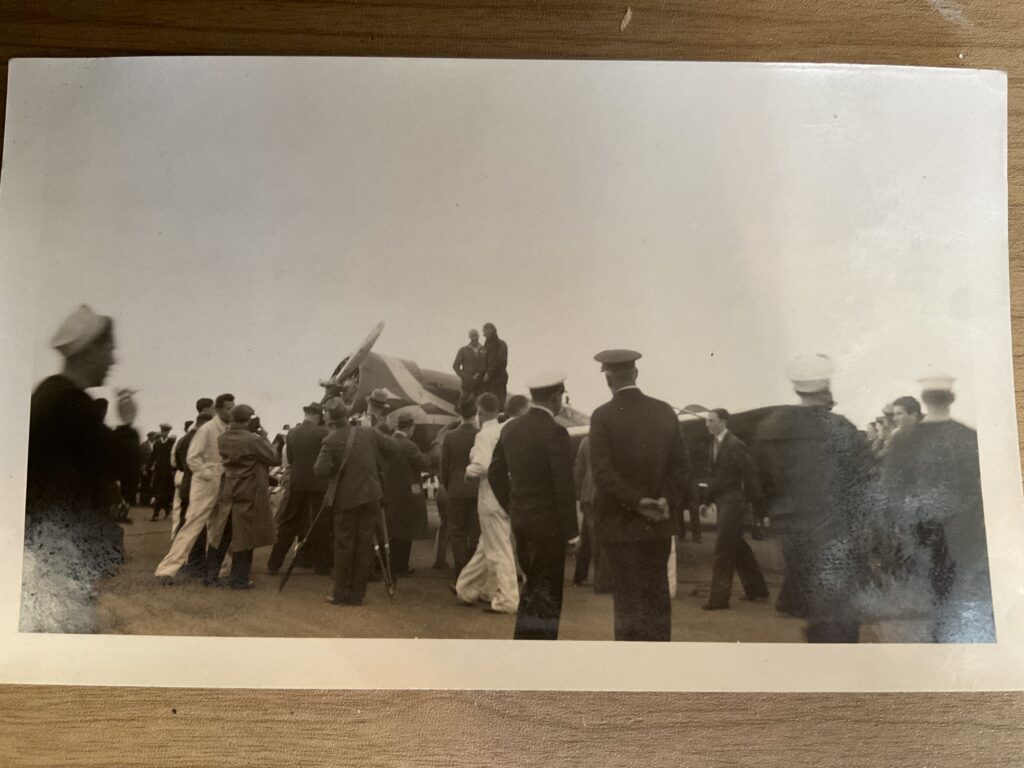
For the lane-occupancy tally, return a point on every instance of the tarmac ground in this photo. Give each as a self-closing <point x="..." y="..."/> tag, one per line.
<point x="134" y="601"/>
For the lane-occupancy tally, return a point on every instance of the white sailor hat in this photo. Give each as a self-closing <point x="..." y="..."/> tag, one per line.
<point x="548" y="380"/>
<point x="810" y="373"/>
<point x="81" y="328"/>
<point x="937" y="383"/>
<point x="617" y="359"/>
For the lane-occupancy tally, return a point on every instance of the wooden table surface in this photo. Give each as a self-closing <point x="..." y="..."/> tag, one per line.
<point x="56" y="726"/>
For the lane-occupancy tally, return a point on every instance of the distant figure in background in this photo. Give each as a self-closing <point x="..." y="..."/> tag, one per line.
<point x="305" y="495"/>
<point x="280" y="439"/>
<point x="531" y="477"/>
<point x="163" y="473"/>
<point x="242" y="520"/>
<point x="463" y="520"/>
<point x="490" y="574"/>
<point x="494" y="378"/>
<point x="204" y="460"/>
<point x="934" y="480"/>
<point x="70" y="538"/>
<point x="733" y="485"/>
<point x="469" y="366"/>
<point x="817" y="475"/>
<point x="906" y="412"/>
<point x="145" y="497"/>
<point x="128" y="457"/>
<point x="404" y="503"/>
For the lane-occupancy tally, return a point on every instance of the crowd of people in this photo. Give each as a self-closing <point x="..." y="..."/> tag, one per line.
<point x="854" y="511"/>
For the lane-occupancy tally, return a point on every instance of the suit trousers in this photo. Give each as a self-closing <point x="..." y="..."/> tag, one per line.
<point x="353" y="550"/>
<point x="163" y="494"/>
<point x="542" y="558"/>
<point x="463" y="530"/>
<point x="442" y="541"/>
<point x="294" y="524"/>
<point x="733" y="553"/>
<point x="643" y="610"/>
<point x="491" y="573"/>
<point x="241" y="561"/>
<point x="496" y="389"/>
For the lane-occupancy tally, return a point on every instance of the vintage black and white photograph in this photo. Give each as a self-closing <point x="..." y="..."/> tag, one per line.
<point x="482" y="350"/>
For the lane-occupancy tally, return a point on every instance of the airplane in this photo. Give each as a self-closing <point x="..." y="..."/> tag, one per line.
<point x="432" y="397"/>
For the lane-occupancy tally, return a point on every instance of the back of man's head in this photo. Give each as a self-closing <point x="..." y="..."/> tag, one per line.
<point x="487" y="404"/>
<point x="517" y="405"/>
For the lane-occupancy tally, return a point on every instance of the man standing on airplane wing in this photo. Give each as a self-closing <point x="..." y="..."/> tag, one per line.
<point x="640" y="466"/>
<point x="531" y="477"/>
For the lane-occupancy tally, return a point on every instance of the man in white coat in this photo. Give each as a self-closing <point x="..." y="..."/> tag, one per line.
<point x="205" y="461"/>
<point x="490" y="574"/>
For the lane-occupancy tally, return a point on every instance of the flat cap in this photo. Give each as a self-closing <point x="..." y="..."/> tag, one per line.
<point x="79" y="329"/>
<point x="547" y="380"/>
<point x="241" y="413"/>
<point x="379" y="396"/>
<point x="311" y="408"/>
<point x="937" y="383"/>
<point x="810" y="373"/>
<point x="617" y="359"/>
<point x="165" y="427"/>
<point x="405" y="419"/>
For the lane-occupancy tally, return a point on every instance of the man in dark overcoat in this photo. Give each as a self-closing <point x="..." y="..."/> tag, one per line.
<point x="242" y="521"/>
<point x="817" y="473"/>
<point x="404" y="502"/>
<point x="461" y="493"/>
<point x="640" y="469"/>
<point x="163" y="473"/>
<point x="305" y="495"/>
<point x="353" y="454"/>
<point x="531" y="477"/>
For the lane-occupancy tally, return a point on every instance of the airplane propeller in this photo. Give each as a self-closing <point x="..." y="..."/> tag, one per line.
<point x="347" y="367"/>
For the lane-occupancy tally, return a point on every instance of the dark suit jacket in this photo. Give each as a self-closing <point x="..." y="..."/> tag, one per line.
<point x="454" y="459"/>
<point x="162" y="459"/>
<point x="496" y="361"/>
<point x="637" y="451"/>
<point x="360" y="481"/>
<point x="303" y="446"/>
<point x="405" y="504"/>
<point x="531" y="475"/>
<point x="733" y="472"/>
<point x="469" y="363"/>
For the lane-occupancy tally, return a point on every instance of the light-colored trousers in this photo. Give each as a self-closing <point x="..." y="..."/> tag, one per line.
<point x="202" y="500"/>
<point x="491" y="572"/>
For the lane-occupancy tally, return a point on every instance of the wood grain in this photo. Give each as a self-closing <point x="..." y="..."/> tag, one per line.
<point x="62" y="726"/>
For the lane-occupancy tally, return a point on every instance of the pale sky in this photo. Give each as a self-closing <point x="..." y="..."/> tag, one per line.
<point x="247" y="221"/>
